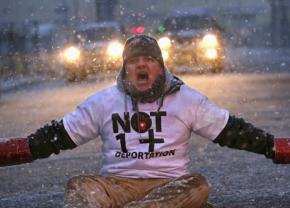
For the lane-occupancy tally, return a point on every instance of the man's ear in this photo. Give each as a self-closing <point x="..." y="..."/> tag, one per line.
<point x="124" y="71"/>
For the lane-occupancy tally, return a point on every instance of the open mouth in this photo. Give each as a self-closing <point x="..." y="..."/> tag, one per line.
<point x="142" y="76"/>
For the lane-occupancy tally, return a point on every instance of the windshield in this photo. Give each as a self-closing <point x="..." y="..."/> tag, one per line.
<point x="188" y="22"/>
<point x="96" y="34"/>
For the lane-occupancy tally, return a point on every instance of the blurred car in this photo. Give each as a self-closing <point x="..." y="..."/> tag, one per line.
<point x="94" y="47"/>
<point x="193" y="38"/>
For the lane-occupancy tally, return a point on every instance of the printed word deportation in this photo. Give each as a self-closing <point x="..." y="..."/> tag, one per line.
<point x="144" y="155"/>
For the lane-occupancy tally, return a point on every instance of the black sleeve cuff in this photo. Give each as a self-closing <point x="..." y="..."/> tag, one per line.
<point x="239" y="134"/>
<point x="49" y="139"/>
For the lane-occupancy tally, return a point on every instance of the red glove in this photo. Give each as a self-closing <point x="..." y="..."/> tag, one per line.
<point x="14" y="151"/>
<point x="282" y="150"/>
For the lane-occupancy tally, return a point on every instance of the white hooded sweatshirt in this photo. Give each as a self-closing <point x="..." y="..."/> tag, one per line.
<point x="157" y="145"/>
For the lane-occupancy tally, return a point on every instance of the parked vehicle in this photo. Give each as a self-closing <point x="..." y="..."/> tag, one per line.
<point x="95" y="47"/>
<point x="193" y="38"/>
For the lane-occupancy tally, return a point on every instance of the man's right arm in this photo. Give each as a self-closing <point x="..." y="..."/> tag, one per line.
<point x="45" y="141"/>
<point x="49" y="139"/>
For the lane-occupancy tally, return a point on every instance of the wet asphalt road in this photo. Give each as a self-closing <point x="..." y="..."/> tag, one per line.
<point x="237" y="178"/>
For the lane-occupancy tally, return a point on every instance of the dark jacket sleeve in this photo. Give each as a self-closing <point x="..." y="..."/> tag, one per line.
<point x="239" y="134"/>
<point x="49" y="139"/>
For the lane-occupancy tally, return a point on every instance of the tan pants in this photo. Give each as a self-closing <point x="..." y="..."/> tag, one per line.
<point x="116" y="192"/>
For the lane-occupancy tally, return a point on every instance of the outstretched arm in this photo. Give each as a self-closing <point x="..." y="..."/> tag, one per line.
<point x="239" y="134"/>
<point x="47" y="140"/>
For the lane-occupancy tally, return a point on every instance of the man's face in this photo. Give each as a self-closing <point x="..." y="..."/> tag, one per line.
<point x="142" y="71"/>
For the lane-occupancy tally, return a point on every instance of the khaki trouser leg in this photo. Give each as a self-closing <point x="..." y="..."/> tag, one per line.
<point x="189" y="191"/>
<point x="116" y="192"/>
<point x="107" y="192"/>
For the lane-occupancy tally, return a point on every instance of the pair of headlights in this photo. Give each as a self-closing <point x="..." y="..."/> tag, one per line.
<point x="208" y="43"/>
<point x="73" y="53"/>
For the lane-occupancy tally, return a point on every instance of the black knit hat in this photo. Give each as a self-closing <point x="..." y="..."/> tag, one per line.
<point x="142" y="45"/>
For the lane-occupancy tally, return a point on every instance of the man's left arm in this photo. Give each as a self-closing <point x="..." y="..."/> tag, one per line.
<point x="240" y="134"/>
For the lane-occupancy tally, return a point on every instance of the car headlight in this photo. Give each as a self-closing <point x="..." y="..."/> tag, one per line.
<point x="115" y="49"/>
<point x="209" y="41"/>
<point x="72" y="54"/>
<point x="211" y="53"/>
<point x="164" y="43"/>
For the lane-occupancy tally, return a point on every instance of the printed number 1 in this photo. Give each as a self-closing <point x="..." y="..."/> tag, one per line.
<point x="121" y="137"/>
